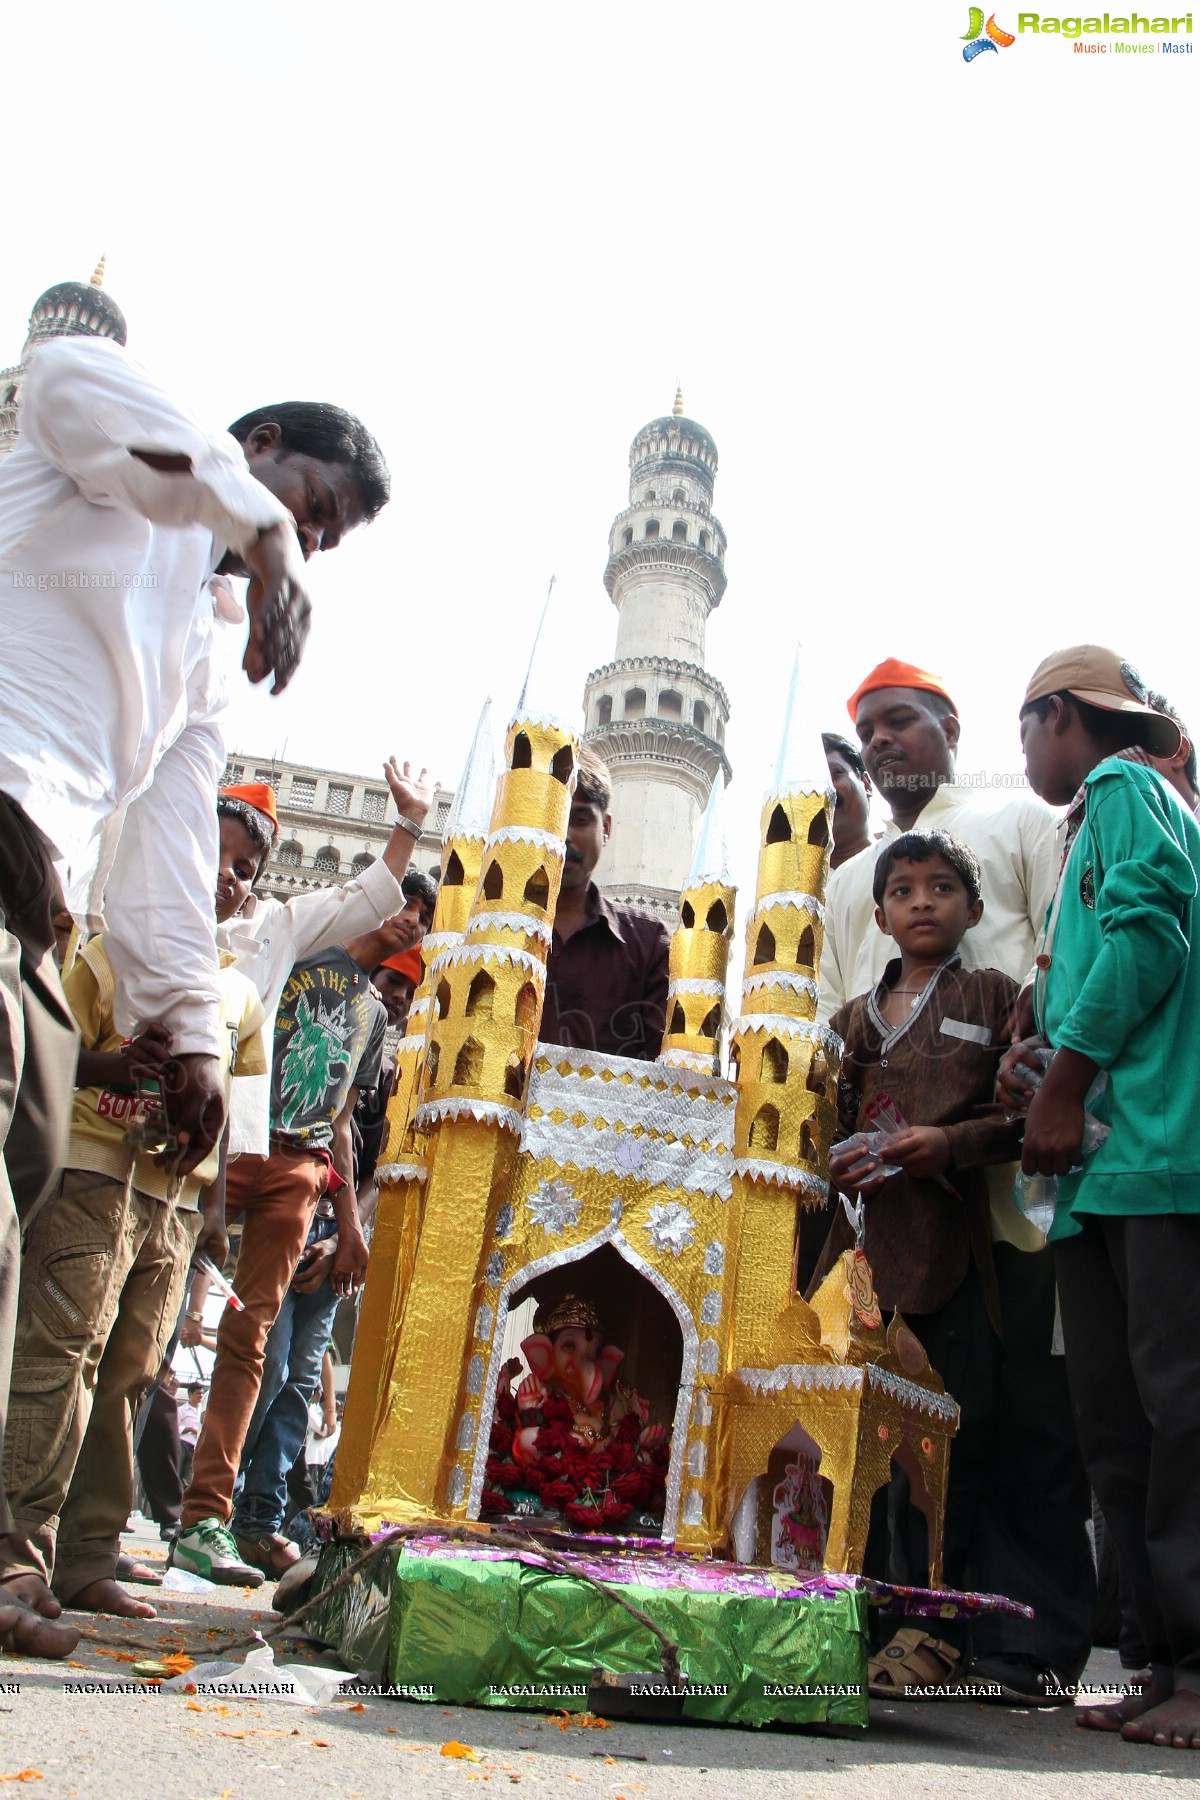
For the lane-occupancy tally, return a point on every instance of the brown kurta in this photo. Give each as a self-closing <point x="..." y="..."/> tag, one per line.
<point x="939" y="1067"/>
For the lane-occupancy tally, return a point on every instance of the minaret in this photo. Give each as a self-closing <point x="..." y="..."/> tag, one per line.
<point x="72" y="309"/>
<point x="699" y="953"/>
<point x="654" y="714"/>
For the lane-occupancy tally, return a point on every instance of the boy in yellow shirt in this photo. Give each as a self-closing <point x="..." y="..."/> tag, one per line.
<point x="102" y="1283"/>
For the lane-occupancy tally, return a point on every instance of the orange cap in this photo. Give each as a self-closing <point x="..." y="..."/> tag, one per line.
<point x="408" y="962"/>
<point x="258" y="794"/>
<point x="896" y="674"/>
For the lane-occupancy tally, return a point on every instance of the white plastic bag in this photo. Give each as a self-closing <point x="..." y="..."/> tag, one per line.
<point x="260" y="1677"/>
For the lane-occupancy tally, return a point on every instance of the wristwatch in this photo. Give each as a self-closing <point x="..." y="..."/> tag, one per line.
<point x="196" y="1317"/>
<point x="409" y="825"/>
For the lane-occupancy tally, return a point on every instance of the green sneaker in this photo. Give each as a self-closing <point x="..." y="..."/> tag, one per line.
<point x="207" y="1548"/>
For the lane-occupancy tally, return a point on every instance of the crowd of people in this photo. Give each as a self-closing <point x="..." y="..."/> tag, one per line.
<point x="180" y="1053"/>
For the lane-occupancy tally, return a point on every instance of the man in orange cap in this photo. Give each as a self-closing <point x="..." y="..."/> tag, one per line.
<point x="396" y="980"/>
<point x="1031" y="1539"/>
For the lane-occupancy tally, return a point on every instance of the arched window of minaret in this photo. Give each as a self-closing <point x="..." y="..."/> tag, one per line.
<point x="818" y="1073"/>
<point x="522" y="756"/>
<point x="628" y="537"/>
<point x="779" y="828"/>
<point x="604" y="710"/>
<point x="481" y="996"/>
<point x="670" y="704"/>
<point x="678" y="1025"/>
<point x="514" y="1077"/>
<point x="442" y="998"/>
<point x="774" y="1061"/>
<point x="679" y="497"/>
<point x="711" y="1024"/>
<point x="651" y="528"/>
<point x="700" y="716"/>
<point x="468" y="1064"/>
<point x="704" y="540"/>
<point x="562" y="764"/>
<point x="764" y="1129"/>
<point x="454" y="870"/>
<point x="818" y="831"/>
<point x="679" y="532"/>
<point x="809" y="1149"/>
<point x="526" y="1011"/>
<point x="10" y="394"/>
<point x="432" y="1056"/>
<point x="806" y="949"/>
<point x="735" y="1062"/>
<point x="764" y="949"/>
<point x="493" y="881"/>
<point x="651" y="494"/>
<point x="537" y="889"/>
<point x="687" y="915"/>
<point x="718" y="917"/>
<point x="635" y="703"/>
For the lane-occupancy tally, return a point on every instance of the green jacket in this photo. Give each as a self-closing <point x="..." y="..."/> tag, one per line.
<point x="1123" y="988"/>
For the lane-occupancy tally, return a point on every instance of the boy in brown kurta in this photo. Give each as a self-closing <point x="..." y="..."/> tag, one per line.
<point x="930" y="1036"/>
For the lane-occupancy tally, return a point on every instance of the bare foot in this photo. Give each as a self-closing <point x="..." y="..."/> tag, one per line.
<point x="1173" y="1723"/>
<point x="31" y="1592"/>
<point x="108" y="1596"/>
<point x="25" y="1632"/>
<point x="1121" y="1712"/>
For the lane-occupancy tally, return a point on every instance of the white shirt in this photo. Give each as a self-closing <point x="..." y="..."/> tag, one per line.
<point x="114" y="668"/>
<point x="1016" y="846"/>
<point x="268" y="937"/>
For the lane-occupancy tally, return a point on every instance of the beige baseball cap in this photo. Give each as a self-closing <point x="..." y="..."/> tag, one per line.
<point x="1104" y="679"/>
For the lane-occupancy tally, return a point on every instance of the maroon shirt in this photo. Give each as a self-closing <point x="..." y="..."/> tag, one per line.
<point x="606" y="985"/>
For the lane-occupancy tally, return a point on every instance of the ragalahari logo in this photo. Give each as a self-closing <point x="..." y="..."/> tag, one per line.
<point x="974" y="41"/>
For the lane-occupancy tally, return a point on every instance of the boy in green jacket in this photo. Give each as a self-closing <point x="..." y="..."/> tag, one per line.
<point x="1118" y="990"/>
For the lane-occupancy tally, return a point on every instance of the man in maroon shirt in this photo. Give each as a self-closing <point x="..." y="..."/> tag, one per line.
<point x="606" y="978"/>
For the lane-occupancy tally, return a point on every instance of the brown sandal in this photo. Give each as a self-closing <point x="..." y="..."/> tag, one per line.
<point x="914" y="1666"/>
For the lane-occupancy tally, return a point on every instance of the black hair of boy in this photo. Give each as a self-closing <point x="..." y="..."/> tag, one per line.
<point x="834" y="744"/>
<point x="926" y="846"/>
<point x="417" y="885"/>
<point x="256" y="825"/>
<point x="1112" y="729"/>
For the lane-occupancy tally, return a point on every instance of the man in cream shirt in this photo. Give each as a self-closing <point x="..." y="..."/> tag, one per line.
<point x="1037" y="1500"/>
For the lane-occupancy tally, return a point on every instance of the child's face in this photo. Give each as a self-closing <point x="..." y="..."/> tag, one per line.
<point x="927" y="909"/>
<point x="1049" y="767"/>
<point x="237" y="869"/>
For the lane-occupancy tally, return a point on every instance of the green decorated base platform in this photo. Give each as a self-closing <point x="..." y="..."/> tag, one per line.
<point x="486" y="1627"/>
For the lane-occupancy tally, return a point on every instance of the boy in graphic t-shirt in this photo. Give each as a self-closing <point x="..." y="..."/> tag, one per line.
<point x="329" y="1032"/>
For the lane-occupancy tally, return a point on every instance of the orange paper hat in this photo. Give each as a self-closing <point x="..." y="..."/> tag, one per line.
<point x="258" y="794"/>
<point x="896" y="674"/>
<point x="408" y="962"/>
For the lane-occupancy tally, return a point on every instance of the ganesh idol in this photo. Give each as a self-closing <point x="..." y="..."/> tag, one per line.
<point x="570" y="1360"/>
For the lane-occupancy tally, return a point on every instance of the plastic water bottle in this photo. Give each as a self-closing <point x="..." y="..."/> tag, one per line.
<point x="1037" y="1197"/>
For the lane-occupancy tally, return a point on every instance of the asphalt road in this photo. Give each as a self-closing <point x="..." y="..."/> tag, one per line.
<point x="150" y="1746"/>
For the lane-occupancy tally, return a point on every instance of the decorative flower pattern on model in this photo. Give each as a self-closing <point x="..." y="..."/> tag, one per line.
<point x="671" y="1227"/>
<point x="555" y="1206"/>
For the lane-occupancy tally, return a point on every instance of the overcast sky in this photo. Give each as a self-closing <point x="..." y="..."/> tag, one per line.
<point x="935" y="316"/>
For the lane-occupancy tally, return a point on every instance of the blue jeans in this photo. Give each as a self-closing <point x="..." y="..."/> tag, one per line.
<point x="291" y="1371"/>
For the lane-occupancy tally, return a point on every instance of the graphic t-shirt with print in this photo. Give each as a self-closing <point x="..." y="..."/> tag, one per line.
<point x="328" y="1038"/>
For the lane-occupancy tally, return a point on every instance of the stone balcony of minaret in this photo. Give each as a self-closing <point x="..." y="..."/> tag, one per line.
<point x="663" y="553"/>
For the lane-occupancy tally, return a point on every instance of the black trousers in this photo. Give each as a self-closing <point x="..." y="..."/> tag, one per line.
<point x="1017" y="1503"/>
<point x="159" y="1456"/>
<point x="1127" y="1288"/>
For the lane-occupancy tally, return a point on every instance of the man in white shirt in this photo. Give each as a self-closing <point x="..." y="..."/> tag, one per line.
<point x="119" y="520"/>
<point x="1034" y="1544"/>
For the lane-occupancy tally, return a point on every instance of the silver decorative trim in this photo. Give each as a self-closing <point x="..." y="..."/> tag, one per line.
<point x="702" y="1413"/>
<point x="783" y="978"/>
<point x="710" y="1357"/>
<point x="526" y="834"/>
<point x="701" y="1060"/>
<point x="697" y="1459"/>
<point x="466" y="1432"/>
<point x="710" y="1309"/>
<point x="392" y="1174"/>
<point x="910" y="1393"/>
<point x="789" y="897"/>
<point x="670" y="1226"/>
<point x="558" y="1259"/>
<point x="457" y="1487"/>
<point x="547" y="721"/>
<point x="494" y="1274"/>
<point x="695" y="984"/>
<point x="714" y="1258"/>
<point x="436" y="943"/>
<point x="510" y="921"/>
<point x="484" y="1112"/>
<point x="780" y="1025"/>
<point x="792" y="790"/>
<point x="804" y="1377"/>
<point x="556" y="1206"/>
<point x="476" y="949"/>
<point x="788" y="1175"/>
<point x="504" y="1220"/>
<point x="616" y="1209"/>
<point x="485" y="1318"/>
<point x="475" y="1372"/>
<point x="414" y="1044"/>
<point x="693" y="1508"/>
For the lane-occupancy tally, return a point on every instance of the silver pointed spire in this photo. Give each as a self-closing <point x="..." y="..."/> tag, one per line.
<point x="710" y="860"/>
<point x="471" y="813"/>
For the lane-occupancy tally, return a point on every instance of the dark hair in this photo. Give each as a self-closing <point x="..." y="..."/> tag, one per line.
<point x="256" y="825"/>
<point x="924" y="846"/>
<point x="331" y="435"/>
<point x="1114" y="729"/>
<point x="594" y="785"/>
<point x="417" y="885"/>
<point x="851" y="755"/>
<point x="1162" y="705"/>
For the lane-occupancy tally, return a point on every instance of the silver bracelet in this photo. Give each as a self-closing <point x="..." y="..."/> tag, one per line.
<point x="409" y="825"/>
